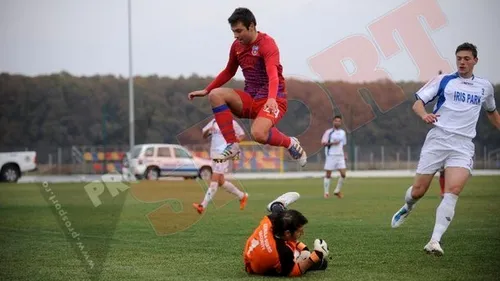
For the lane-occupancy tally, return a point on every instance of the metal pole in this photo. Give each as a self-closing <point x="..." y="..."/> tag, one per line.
<point x="382" y="152"/>
<point x="130" y="79"/>
<point x="485" y="157"/>
<point x="408" y="156"/>
<point x="104" y="136"/>
<point x="351" y="141"/>
<point x="355" y="158"/>
<point x="59" y="160"/>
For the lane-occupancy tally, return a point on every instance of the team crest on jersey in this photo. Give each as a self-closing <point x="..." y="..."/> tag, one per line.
<point x="255" y="50"/>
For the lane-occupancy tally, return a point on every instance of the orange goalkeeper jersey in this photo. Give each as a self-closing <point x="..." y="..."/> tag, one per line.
<point x="266" y="255"/>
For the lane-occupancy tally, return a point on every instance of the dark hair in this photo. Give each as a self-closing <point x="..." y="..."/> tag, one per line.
<point x="337" y="116"/>
<point x="243" y="15"/>
<point x="467" y="47"/>
<point x="290" y="220"/>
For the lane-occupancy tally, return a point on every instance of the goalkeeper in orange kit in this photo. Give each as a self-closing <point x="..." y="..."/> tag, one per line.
<point x="274" y="248"/>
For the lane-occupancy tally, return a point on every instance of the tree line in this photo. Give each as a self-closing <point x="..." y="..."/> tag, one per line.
<point x="61" y="110"/>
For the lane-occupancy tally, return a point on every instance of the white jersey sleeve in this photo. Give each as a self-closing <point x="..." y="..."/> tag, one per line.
<point x="208" y="126"/>
<point x="430" y="90"/>
<point x="326" y="136"/>
<point x="489" y="101"/>
<point x="237" y="129"/>
<point x="344" y="139"/>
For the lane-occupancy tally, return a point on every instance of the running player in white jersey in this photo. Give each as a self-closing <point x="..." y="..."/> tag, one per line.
<point x="334" y="141"/>
<point x="460" y="97"/>
<point x="441" y="170"/>
<point x="218" y="144"/>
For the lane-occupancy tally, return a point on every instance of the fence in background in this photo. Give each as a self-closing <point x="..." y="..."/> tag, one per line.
<point x="255" y="158"/>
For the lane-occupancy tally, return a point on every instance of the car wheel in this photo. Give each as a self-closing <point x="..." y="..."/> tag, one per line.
<point x="10" y="173"/>
<point x="206" y="173"/>
<point x="152" y="173"/>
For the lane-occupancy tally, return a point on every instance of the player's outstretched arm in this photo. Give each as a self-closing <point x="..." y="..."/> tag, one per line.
<point x="293" y="268"/>
<point x="221" y="79"/>
<point x="228" y="72"/>
<point x="320" y="252"/>
<point x="271" y="55"/>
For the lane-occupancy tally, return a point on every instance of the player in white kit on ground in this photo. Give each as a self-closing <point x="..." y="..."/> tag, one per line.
<point x="334" y="141"/>
<point x="218" y="144"/>
<point x="460" y="97"/>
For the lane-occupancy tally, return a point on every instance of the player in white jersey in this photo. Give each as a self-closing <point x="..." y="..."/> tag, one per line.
<point x="460" y="97"/>
<point x="218" y="144"/>
<point x="334" y="140"/>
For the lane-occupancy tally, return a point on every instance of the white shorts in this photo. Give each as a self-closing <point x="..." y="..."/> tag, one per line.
<point x="220" y="168"/>
<point x="334" y="162"/>
<point x="444" y="149"/>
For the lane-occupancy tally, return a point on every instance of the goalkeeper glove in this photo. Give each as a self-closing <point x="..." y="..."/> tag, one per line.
<point x="320" y="250"/>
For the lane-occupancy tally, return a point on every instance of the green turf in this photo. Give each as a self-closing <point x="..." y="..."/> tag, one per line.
<point x="124" y="244"/>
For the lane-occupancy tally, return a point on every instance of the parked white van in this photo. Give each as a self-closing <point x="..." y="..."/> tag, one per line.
<point x="152" y="161"/>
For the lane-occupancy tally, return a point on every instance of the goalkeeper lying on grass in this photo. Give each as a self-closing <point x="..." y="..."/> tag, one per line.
<point x="274" y="248"/>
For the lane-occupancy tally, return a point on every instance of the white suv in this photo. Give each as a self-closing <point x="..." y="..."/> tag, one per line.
<point x="14" y="164"/>
<point x="152" y="161"/>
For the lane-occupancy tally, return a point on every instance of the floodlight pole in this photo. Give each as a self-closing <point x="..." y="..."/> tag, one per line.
<point x="130" y="80"/>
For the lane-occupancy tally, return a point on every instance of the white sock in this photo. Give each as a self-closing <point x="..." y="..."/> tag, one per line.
<point x="444" y="215"/>
<point x="212" y="189"/>
<point x="410" y="201"/>
<point x="326" y="185"/>
<point x="339" y="185"/>
<point x="229" y="187"/>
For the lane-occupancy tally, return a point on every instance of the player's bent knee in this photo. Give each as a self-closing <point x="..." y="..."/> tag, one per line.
<point x="421" y="185"/>
<point x="259" y="135"/>
<point x="418" y="190"/>
<point x="455" y="188"/>
<point x="220" y="95"/>
<point x="216" y="95"/>
<point x="221" y="181"/>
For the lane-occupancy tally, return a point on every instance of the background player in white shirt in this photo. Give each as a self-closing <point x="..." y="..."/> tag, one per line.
<point x="460" y="97"/>
<point x="441" y="171"/>
<point x="218" y="144"/>
<point x="334" y="141"/>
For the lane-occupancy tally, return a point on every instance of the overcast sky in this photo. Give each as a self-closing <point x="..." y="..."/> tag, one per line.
<point x="170" y="38"/>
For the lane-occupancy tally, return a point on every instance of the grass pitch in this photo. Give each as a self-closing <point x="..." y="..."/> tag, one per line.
<point x="149" y="231"/>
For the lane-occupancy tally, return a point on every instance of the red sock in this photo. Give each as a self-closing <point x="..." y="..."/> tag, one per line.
<point x="441" y="182"/>
<point x="224" y="119"/>
<point x="277" y="138"/>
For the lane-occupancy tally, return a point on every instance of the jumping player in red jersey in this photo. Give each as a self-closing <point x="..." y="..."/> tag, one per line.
<point x="264" y="96"/>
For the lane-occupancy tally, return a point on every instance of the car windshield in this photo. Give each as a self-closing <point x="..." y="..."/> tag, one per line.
<point x="135" y="152"/>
